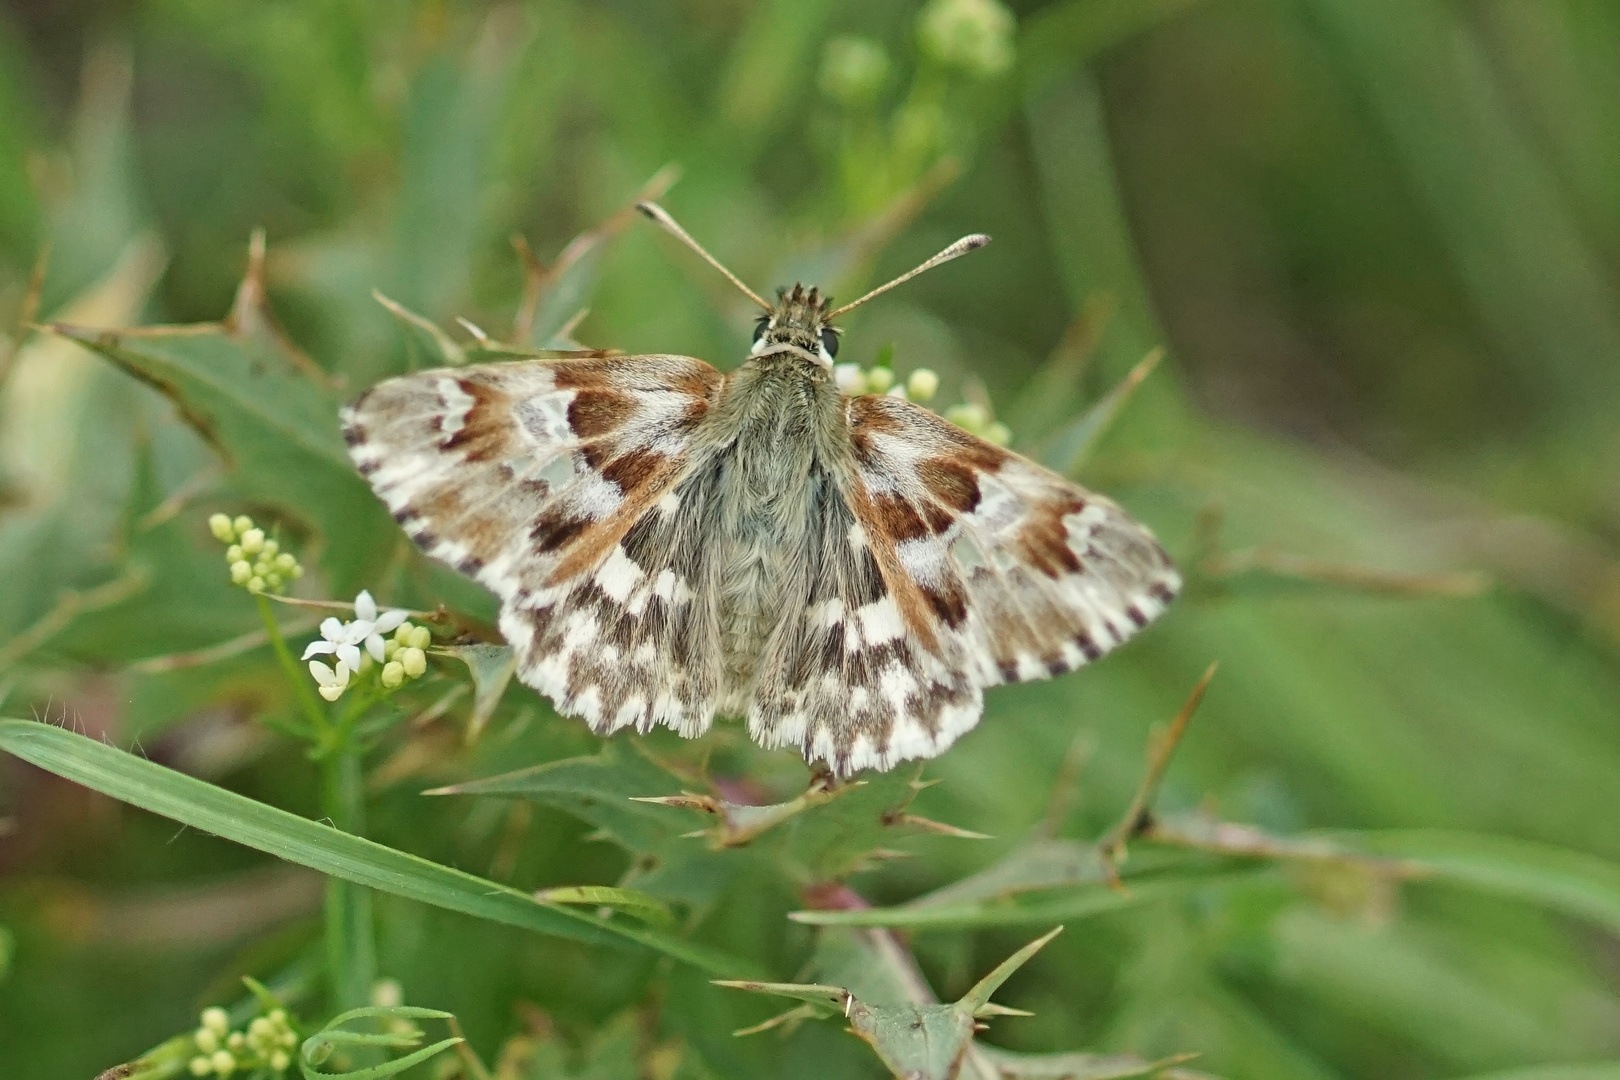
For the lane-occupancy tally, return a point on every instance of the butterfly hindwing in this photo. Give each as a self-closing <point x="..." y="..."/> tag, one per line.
<point x="972" y="566"/>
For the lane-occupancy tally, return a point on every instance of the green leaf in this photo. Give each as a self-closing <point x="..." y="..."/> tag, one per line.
<point x="1597" y="1070"/>
<point x="1022" y="910"/>
<point x="387" y="1068"/>
<point x="492" y="667"/>
<point x="647" y="908"/>
<point x="275" y="427"/>
<point x="916" y="1041"/>
<point x="1570" y="882"/>
<point x="600" y="789"/>
<point x="352" y="858"/>
<point x="1016" y="1066"/>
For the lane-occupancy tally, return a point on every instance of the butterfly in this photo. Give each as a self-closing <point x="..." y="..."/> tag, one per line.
<point x="669" y="543"/>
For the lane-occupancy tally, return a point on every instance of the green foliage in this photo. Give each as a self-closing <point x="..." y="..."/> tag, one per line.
<point x="1389" y="227"/>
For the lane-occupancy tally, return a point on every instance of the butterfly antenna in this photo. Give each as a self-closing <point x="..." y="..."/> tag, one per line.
<point x="961" y="247"/>
<point x="669" y="225"/>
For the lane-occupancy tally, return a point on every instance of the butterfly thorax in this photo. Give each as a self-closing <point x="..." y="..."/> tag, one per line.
<point x="779" y="440"/>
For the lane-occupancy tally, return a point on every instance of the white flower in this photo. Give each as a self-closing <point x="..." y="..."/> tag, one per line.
<point x="385" y="623"/>
<point x="850" y="379"/>
<point x="332" y="682"/>
<point x="342" y="639"/>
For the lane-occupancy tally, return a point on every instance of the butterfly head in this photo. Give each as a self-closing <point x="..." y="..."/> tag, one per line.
<point x="798" y="318"/>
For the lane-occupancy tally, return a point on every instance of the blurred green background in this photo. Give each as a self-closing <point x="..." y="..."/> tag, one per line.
<point x="1379" y="241"/>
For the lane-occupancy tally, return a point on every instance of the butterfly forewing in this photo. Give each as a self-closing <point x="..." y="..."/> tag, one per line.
<point x="538" y="478"/>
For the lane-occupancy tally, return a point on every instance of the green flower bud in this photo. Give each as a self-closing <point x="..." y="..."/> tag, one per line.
<point x="421" y="638"/>
<point x="922" y="385"/>
<point x="207" y="1040"/>
<point x="279" y="1061"/>
<point x="285" y="561"/>
<point x="393" y="674"/>
<point x="216" y="1019"/>
<point x="224" y="1063"/>
<point x="414" y="661"/>
<point x="854" y="70"/>
<point x="242" y="524"/>
<point x="297" y="571"/>
<point x="273" y="580"/>
<point x="253" y="541"/>
<point x="270" y="548"/>
<point x="236" y="1040"/>
<point x="260" y="568"/>
<point x="975" y="36"/>
<point x="879" y="379"/>
<point x="998" y="433"/>
<point x="255" y="585"/>
<point x="220" y="526"/>
<point x="970" y="416"/>
<point x="241" y="572"/>
<point x="201" y="1066"/>
<point x="234" y="553"/>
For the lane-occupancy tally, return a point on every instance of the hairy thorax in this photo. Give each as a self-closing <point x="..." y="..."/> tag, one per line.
<point x="774" y="438"/>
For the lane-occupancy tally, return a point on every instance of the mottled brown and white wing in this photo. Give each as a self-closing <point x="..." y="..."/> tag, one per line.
<point x="552" y="483"/>
<point x="975" y="567"/>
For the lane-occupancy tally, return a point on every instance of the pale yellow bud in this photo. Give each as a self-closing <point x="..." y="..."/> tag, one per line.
<point x="234" y="553"/>
<point x="414" y="661"/>
<point x="217" y="1019"/>
<point x="201" y="1066"/>
<point x="207" y="1040"/>
<point x="331" y="693"/>
<point x="421" y="637"/>
<point x="255" y="585"/>
<point x="220" y="526"/>
<point x="224" y="1064"/>
<point x="279" y="1061"/>
<point x="253" y="541"/>
<point x="879" y="379"/>
<point x="393" y="674"/>
<point x="298" y="571"/>
<point x="242" y="524"/>
<point x="922" y="385"/>
<point x="285" y="561"/>
<point x="998" y="433"/>
<point x="236" y="1040"/>
<point x="970" y="415"/>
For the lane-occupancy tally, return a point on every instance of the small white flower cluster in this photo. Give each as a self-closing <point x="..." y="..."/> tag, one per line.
<point x="854" y="380"/>
<point x="257" y="562"/>
<point x="402" y="656"/>
<point x="975" y="419"/>
<point x="267" y="1043"/>
<point x="975" y="36"/>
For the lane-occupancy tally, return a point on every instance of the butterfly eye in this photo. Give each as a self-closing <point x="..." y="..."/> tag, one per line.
<point x="829" y="341"/>
<point x="760" y="327"/>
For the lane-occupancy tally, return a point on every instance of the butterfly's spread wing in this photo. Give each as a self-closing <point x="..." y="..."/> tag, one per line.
<point x="551" y="483"/>
<point x="988" y="569"/>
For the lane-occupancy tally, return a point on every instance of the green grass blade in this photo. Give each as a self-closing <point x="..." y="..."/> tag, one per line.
<point x="288" y="836"/>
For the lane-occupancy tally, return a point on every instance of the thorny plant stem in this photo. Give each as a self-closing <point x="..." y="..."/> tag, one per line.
<point x="351" y="951"/>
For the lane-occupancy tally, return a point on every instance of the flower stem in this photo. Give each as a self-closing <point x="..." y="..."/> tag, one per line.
<point x="351" y="942"/>
<point x="351" y="950"/>
<point x="300" y="685"/>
